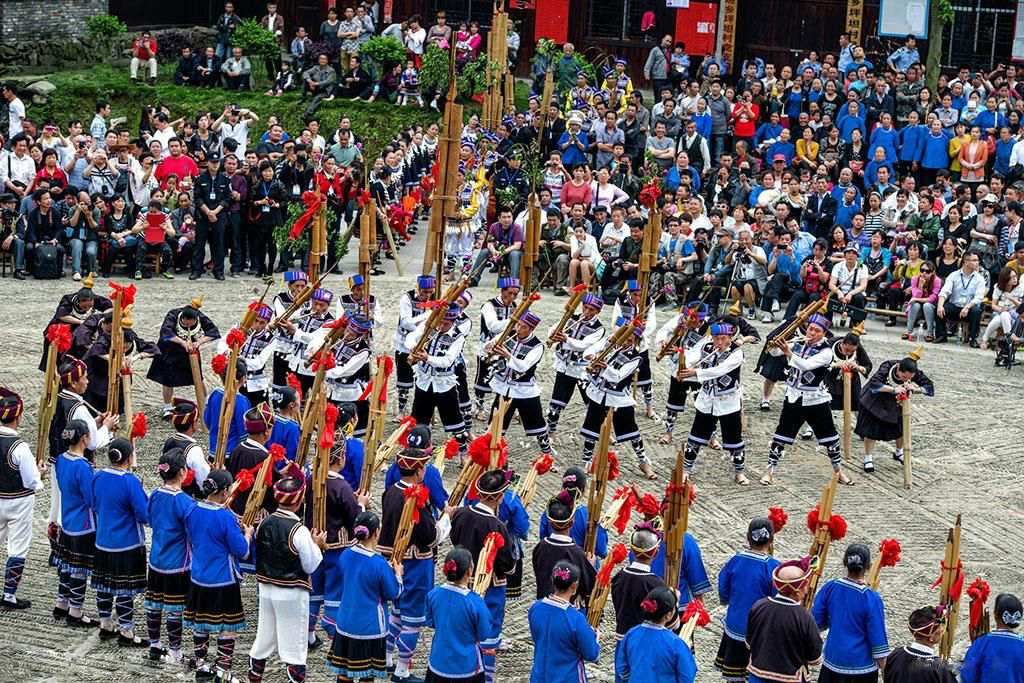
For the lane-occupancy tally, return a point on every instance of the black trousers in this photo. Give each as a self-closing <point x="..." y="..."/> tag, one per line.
<point x="236" y="230"/>
<point x="953" y="315"/>
<point x="263" y="249"/>
<point x="818" y="417"/>
<point x="214" y="234"/>
<point x="623" y="422"/>
<point x="855" y="310"/>
<point x="561" y="393"/>
<point x="531" y="414"/>
<point x="446" y="403"/>
<point x="677" y="391"/>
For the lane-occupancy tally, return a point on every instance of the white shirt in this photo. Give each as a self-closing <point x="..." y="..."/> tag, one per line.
<point x="963" y="290"/>
<point x="587" y="247"/>
<point x="22" y="458"/>
<point x="844" y="278"/>
<point x="437" y="373"/>
<point x="15" y="113"/>
<point x="710" y="402"/>
<point x="619" y="233"/>
<point x="414" y="40"/>
<point x="18" y="169"/>
<point x="817" y="395"/>
<point x="310" y="557"/>
<point x="239" y="132"/>
<point x="500" y="382"/>
<point x="195" y="459"/>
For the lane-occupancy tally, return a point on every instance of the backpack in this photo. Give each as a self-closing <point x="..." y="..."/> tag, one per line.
<point x="48" y="262"/>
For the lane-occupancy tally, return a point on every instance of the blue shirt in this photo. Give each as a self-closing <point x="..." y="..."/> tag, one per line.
<point x="765" y="132"/>
<point x="847" y="124"/>
<point x="674" y="178"/>
<point x="989" y="119"/>
<point x="745" y="579"/>
<point x="563" y="641"/>
<point x="855" y="619"/>
<point x="211" y="418"/>
<point x="572" y="155"/>
<point x="845" y="213"/>
<point x="369" y="583"/>
<point x="788" y="264"/>
<point x="1003" y="149"/>
<point x="461" y="622"/>
<point x="286" y="433"/>
<point x="693" y="578"/>
<point x="352" y="472"/>
<point x="996" y="657"/>
<point x="871" y="171"/>
<point x="218" y="544"/>
<point x="911" y="142"/>
<point x="786" y="149"/>
<point x="653" y="654"/>
<point x="121" y="508"/>
<point x="838" y="190"/>
<point x="886" y="138"/>
<point x="903" y="58"/>
<point x="74" y="481"/>
<point x="935" y="150"/>
<point x="170" y="551"/>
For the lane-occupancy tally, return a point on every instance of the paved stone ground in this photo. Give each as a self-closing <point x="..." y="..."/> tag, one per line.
<point x="964" y="462"/>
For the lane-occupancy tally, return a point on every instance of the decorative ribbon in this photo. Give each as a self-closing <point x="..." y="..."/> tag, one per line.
<point x="421" y="494"/>
<point x="619" y="553"/>
<point x="956" y="587"/>
<point x="778" y="518"/>
<point x="126" y="293"/>
<point x="59" y="335"/>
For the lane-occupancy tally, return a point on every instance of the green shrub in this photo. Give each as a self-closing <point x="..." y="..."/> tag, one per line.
<point x="385" y="51"/>
<point x="104" y="27"/>
<point x="255" y="40"/>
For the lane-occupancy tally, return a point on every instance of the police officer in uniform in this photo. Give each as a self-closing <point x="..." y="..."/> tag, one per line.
<point x="212" y="197"/>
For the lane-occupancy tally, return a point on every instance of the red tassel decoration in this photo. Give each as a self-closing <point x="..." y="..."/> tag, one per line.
<point x="138" y="425"/>
<point x="619" y="553"/>
<point x="497" y="543"/>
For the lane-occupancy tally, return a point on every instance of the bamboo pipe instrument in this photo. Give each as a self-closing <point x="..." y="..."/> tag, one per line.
<point x="300" y="300"/>
<point x="391" y="446"/>
<point x="599" y="483"/>
<point x="950" y="574"/>
<point x="316" y="401"/>
<point x="496" y="430"/>
<point x="571" y="304"/>
<point x="256" y="494"/>
<point x="403" y="535"/>
<point x="619" y="339"/>
<point x="197" y="381"/>
<point x="374" y="427"/>
<point x="822" y="538"/>
<point x="510" y="327"/>
<point x="116" y="358"/>
<point x="482" y="577"/>
<point x="47" y="406"/>
<point x="677" y="521"/>
<point x="321" y="464"/>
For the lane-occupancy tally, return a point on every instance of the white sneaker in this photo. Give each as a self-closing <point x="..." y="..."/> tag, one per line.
<point x="767" y="318"/>
<point x="751" y="314"/>
<point x="775" y="306"/>
<point x="77" y="277"/>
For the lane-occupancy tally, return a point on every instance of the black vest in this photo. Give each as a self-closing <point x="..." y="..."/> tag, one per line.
<point x="502" y="311"/>
<point x="519" y="349"/>
<point x="693" y="151"/>
<point x="727" y="383"/>
<point x="576" y="328"/>
<point x="66" y="405"/>
<point x="173" y="442"/>
<point x="11" y="485"/>
<point x="807" y="380"/>
<point x="277" y="562"/>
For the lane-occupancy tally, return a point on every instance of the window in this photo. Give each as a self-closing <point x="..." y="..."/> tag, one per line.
<point x="620" y="20"/>
<point x="480" y="11"/>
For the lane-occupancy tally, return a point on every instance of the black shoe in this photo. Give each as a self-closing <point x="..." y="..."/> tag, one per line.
<point x="18" y="275"/>
<point x="194" y="276"/>
<point x="974" y="344"/>
<point x="81" y="622"/>
<point x="17" y="603"/>
<point x="60" y="614"/>
<point x="134" y="641"/>
<point x="156" y="653"/>
<point x="219" y="276"/>
<point x="109" y="634"/>
<point x="316" y="644"/>
<point x="940" y="340"/>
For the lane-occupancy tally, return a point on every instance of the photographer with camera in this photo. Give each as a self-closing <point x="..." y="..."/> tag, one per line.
<point x="784" y="269"/>
<point x="750" y="273"/>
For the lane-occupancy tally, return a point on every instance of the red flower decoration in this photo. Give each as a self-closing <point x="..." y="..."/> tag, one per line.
<point x="330" y="425"/>
<point x="364" y="198"/>
<point x="978" y="592"/>
<point x="323" y="361"/>
<point x="648" y="606"/>
<point x="649" y="194"/>
<point x="480" y="451"/>
<point x="889" y="552"/>
<point x="126" y="293"/>
<point x="138" y="425"/>
<point x="451" y="449"/>
<point x="403" y="440"/>
<point x="778" y="518"/>
<point x="245" y="480"/>
<point x="836" y="524"/>
<point x="613" y="466"/>
<point x="59" y="335"/>
<point x="235" y="338"/>
<point x="497" y="543"/>
<point x="219" y="364"/>
<point x="649" y="505"/>
<point x="619" y="553"/>
<point x="696" y="609"/>
<point x="543" y="463"/>
<point x="421" y="494"/>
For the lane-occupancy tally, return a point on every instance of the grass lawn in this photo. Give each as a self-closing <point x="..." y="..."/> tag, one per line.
<point x="77" y="92"/>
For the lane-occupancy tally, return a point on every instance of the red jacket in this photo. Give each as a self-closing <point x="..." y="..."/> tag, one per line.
<point x="144" y="49"/>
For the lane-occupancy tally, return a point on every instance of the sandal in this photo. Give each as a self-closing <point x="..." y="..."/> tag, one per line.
<point x="666" y="438"/>
<point x="741" y="479"/>
<point x="905" y="336"/>
<point x="845" y="480"/>
<point x="646" y="470"/>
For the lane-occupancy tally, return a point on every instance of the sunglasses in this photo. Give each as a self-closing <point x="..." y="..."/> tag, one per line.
<point x="925" y="272"/>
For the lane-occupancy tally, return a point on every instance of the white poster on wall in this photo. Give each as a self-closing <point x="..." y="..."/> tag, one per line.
<point x="1017" y="49"/>
<point x="677" y="4"/>
<point x="903" y="17"/>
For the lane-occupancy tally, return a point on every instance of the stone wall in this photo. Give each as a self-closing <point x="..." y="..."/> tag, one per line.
<point x="42" y="19"/>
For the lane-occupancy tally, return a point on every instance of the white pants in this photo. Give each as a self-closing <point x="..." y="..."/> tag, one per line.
<point x="1003" y="320"/>
<point x="16" y="524"/>
<point x="282" y="623"/>
<point x="148" y="63"/>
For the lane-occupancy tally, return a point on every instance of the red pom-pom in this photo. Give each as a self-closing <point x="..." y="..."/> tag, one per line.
<point x="480" y="451"/>
<point x="323" y="361"/>
<point x="235" y="338"/>
<point x="451" y="449"/>
<point x="59" y="335"/>
<point x="613" y="466"/>
<point x="979" y="590"/>
<point x="419" y="493"/>
<point x="812" y="520"/>
<point x="778" y="518"/>
<point x="626" y="510"/>
<point x="403" y="440"/>
<point x="138" y="425"/>
<point x="648" y="606"/>
<point x="543" y="463"/>
<point x="837" y="527"/>
<point x="649" y="505"/>
<point x="126" y="293"/>
<point x="219" y="364"/>
<point x="889" y="552"/>
<point x="331" y="414"/>
<point x="294" y="383"/>
<point x="189" y="479"/>
<point x="277" y="452"/>
<point x="245" y="480"/>
<point x="696" y="608"/>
